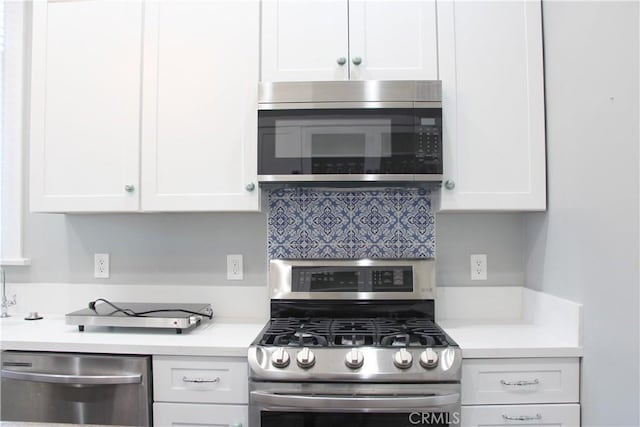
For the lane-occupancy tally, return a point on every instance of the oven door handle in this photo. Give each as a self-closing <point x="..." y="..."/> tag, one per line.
<point x="354" y="402"/>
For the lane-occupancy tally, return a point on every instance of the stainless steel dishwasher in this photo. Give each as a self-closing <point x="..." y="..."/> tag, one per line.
<point x="76" y="388"/>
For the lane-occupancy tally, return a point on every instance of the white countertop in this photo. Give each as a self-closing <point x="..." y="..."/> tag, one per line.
<point x="499" y="321"/>
<point x="226" y="337"/>
<point x="219" y="337"/>
<point x="507" y="338"/>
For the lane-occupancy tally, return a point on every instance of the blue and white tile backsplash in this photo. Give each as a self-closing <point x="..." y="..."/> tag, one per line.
<point x="347" y="223"/>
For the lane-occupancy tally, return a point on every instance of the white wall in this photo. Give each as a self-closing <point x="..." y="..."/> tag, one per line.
<point x="191" y="248"/>
<point x="585" y="247"/>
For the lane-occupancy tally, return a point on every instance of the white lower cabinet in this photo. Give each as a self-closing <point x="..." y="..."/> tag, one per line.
<point x="516" y="381"/>
<point x="200" y="391"/>
<point x="524" y="392"/>
<point x="521" y="415"/>
<point x="202" y="415"/>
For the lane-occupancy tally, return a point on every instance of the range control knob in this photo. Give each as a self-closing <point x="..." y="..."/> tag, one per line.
<point x="354" y="359"/>
<point x="429" y="358"/>
<point x="402" y="359"/>
<point x="280" y="358"/>
<point x="306" y="358"/>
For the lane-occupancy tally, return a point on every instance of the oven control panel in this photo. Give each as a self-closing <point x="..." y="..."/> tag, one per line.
<point x="351" y="364"/>
<point x="352" y="279"/>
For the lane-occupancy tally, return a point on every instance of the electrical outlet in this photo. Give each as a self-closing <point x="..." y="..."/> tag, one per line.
<point x="234" y="267"/>
<point x="479" y="267"/>
<point x="101" y="266"/>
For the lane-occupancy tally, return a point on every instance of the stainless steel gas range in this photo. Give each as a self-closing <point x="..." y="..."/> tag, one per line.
<point x="353" y="343"/>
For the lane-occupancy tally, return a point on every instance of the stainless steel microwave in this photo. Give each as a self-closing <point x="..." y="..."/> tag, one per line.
<point x="350" y="131"/>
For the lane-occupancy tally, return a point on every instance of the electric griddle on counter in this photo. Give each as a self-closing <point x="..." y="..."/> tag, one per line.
<point x="178" y="316"/>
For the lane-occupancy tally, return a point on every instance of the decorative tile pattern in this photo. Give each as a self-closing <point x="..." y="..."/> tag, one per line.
<point x="345" y="223"/>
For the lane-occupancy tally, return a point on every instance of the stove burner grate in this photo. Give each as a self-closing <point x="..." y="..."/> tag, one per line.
<point x="379" y="332"/>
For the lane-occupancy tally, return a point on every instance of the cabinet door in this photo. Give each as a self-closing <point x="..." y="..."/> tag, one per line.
<point x="393" y="40"/>
<point x="200" y="106"/>
<point x="493" y="105"/>
<point x="305" y="40"/>
<point x="85" y="105"/>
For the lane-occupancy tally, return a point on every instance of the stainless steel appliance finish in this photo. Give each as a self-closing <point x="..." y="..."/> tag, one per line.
<point x="377" y="365"/>
<point x="350" y="94"/>
<point x="373" y="358"/>
<point x="280" y="279"/>
<point x="286" y="404"/>
<point x="76" y="388"/>
<point x="342" y="178"/>
<point x="106" y="315"/>
<point x="350" y="131"/>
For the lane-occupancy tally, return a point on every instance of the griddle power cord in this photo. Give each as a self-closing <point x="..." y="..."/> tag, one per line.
<point x="129" y="312"/>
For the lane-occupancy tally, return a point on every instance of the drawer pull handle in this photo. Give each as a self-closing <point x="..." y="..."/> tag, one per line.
<point x="520" y="383"/>
<point x="201" y="380"/>
<point x="522" y="417"/>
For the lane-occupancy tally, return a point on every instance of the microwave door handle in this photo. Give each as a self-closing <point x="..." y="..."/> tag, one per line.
<point x="71" y="379"/>
<point x="317" y="401"/>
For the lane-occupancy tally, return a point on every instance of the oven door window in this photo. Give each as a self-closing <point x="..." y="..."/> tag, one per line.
<point x="312" y="419"/>
<point x="361" y="141"/>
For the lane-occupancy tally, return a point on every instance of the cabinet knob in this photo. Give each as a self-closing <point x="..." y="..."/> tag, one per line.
<point x="129" y="188"/>
<point x="250" y="186"/>
<point x="357" y="60"/>
<point x="342" y="60"/>
<point x="449" y="184"/>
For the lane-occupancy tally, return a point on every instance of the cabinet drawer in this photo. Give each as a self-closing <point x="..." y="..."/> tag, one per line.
<point x="200" y="379"/>
<point x="508" y="381"/>
<point x="201" y="415"/>
<point x="522" y="415"/>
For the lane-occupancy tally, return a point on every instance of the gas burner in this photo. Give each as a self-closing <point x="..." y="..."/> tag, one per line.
<point x="353" y="340"/>
<point x="408" y="340"/>
<point x="377" y="332"/>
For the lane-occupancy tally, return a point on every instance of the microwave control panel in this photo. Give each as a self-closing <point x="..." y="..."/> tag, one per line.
<point x="429" y="144"/>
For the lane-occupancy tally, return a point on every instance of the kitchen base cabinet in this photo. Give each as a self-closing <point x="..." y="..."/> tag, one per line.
<point x="527" y="391"/>
<point x="203" y="415"/>
<point x="521" y="415"/>
<point x="516" y="381"/>
<point x="202" y="391"/>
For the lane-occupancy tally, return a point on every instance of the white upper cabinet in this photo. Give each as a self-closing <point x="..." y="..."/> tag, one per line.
<point x="85" y="106"/>
<point x="491" y="67"/>
<point x="200" y="106"/>
<point x="174" y="81"/>
<point x="349" y="39"/>
<point x="393" y="40"/>
<point x="305" y="40"/>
